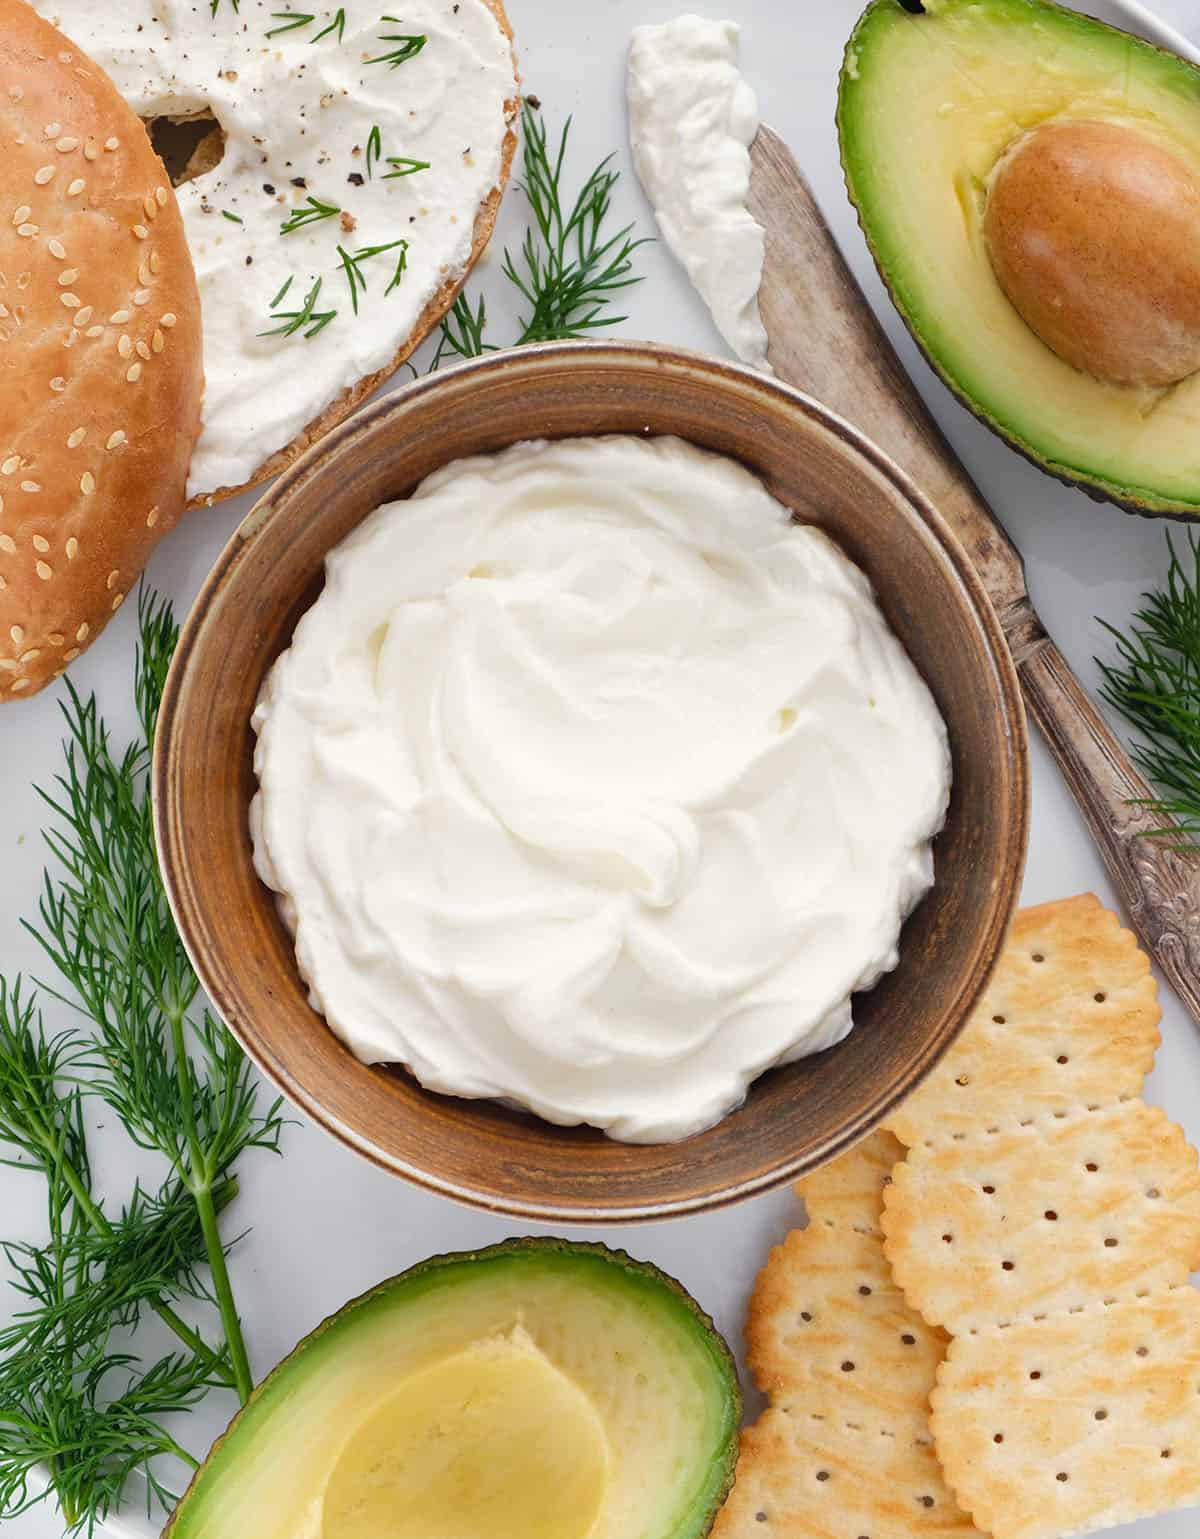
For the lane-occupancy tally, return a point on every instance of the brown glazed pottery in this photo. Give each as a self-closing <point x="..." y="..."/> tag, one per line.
<point x="482" y="1153"/>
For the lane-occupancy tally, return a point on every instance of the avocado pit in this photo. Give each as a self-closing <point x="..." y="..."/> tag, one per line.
<point x="1093" y="231"/>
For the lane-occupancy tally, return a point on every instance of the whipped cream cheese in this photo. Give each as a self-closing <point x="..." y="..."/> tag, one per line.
<point x="593" y="783"/>
<point x="298" y="112"/>
<point x="692" y="119"/>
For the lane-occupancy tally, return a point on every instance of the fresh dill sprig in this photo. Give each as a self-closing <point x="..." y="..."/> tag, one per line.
<point x="76" y="1406"/>
<point x="1155" y="685"/>
<point x="351" y="266"/>
<point x="215" y="5"/>
<point x="338" y="25"/>
<point x="374" y="149"/>
<point x="568" y="269"/>
<point x="404" y="165"/>
<point x="233" y="218"/>
<point x="292" y="21"/>
<point x="411" y="44"/>
<point x="311" y="211"/>
<point x="307" y="319"/>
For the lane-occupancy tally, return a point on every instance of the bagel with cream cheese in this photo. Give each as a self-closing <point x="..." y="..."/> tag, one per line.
<point x="100" y="351"/>
<point x="352" y="175"/>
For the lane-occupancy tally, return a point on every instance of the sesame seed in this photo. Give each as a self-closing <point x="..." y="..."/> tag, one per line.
<point x="76" y="438"/>
<point x="27" y="230"/>
<point x="65" y="146"/>
<point x="119" y="317"/>
<point x="83" y="632"/>
<point x="4" y="312"/>
<point x="90" y="152"/>
<point x="8" y="545"/>
<point x="87" y="483"/>
<point x="134" y="374"/>
<point x="152" y="518"/>
<point x="155" y="262"/>
<point x="44" y="571"/>
<point x="71" y="337"/>
<point x="95" y="331"/>
<point x="158" y="341"/>
<point x="125" y="347"/>
<point x="56" y="248"/>
<point x="141" y="232"/>
<point x="76" y="187"/>
<point x="72" y="301"/>
<point x="43" y="174"/>
<point x="110" y="581"/>
<point x="144" y="273"/>
<point x="40" y="542"/>
<point x="160" y="196"/>
<point x="17" y="633"/>
<point x="67" y="277"/>
<point x="10" y="465"/>
<point x="141" y="296"/>
<point x="115" y="440"/>
<point x="117" y="602"/>
<point x="19" y="684"/>
<point x="31" y="655"/>
<point x="31" y="486"/>
<point x="56" y="638"/>
<point x="150" y="206"/>
<point x="58" y="383"/>
<point x="168" y="320"/>
<point x="82" y="317"/>
<point x="71" y="655"/>
<point x="112" y="144"/>
<point x="52" y="130"/>
<point x="143" y="351"/>
<point x="3" y="585"/>
<point x="21" y="214"/>
<point x="71" y="548"/>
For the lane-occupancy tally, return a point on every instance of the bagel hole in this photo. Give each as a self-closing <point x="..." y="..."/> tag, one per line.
<point x="188" y="146"/>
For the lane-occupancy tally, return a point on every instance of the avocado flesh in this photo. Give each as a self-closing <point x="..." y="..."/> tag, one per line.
<point x="928" y="105"/>
<point x="550" y="1390"/>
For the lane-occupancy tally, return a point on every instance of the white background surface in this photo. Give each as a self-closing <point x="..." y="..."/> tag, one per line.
<point x="325" y="1225"/>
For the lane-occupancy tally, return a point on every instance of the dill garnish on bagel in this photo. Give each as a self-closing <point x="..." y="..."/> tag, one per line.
<point x="321" y="137"/>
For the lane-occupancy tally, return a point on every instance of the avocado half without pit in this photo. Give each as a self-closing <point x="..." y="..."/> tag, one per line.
<point x="1028" y="180"/>
<point x="540" y="1388"/>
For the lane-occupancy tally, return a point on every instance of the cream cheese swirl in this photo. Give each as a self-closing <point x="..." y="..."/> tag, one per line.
<point x="593" y="783"/>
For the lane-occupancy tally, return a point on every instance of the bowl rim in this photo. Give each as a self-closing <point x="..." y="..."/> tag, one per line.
<point x="272" y="507"/>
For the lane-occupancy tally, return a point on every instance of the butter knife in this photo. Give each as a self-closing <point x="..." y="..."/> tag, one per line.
<point x="826" y="341"/>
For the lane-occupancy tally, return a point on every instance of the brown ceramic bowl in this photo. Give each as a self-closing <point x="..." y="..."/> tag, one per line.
<point x="795" y="1117"/>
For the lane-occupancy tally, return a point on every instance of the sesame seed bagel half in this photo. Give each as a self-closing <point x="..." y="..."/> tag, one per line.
<point x="101" y="375"/>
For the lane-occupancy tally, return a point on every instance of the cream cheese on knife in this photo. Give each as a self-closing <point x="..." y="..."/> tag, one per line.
<point x="692" y="119"/>
<point x="595" y="784"/>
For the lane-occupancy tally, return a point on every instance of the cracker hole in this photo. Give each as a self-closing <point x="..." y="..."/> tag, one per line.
<point x="847" y="1366"/>
<point x="1008" y="1266"/>
<point x="1038" y="957"/>
<point x="1091" y="1168"/>
<point x="963" y="1080"/>
<point x="1143" y="1351"/>
<point x="1062" y="1477"/>
<point x="911" y="1341"/>
<point x="1036" y="1374"/>
<point x="822" y="1476"/>
<point x="864" y="1291"/>
<point x="1101" y="1415"/>
<point x="925" y="1501"/>
<point x="760" y="1517"/>
<point x="806" y="1317"/>
<point x="1111" y="1244"/>
<point x="999" y="1438"/>
<point x="989" y="1191"/>
<point x="1154" y="1194"/>
<point x="1062" y="1058"/>
<point x="999" y="1020"/>
<point x="1051" y="1216"/>
<point x="1166" y="1453"/>
<point x="947" y="1239"/>
<point x="1100" y="998"/>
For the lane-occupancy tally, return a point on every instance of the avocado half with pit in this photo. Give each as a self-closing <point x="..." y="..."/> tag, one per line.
<point x="1028" y="180"/>
<point x="539" y="1389"/>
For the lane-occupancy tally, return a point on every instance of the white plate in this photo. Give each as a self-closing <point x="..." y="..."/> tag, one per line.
<point x="325" y="1226"/>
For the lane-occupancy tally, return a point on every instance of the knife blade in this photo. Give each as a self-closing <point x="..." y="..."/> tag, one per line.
<point x="826" y="340"/>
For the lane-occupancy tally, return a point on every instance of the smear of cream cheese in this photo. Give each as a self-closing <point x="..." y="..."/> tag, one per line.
<point x="593" y="783"/>
<point x="692" y="119"/>
<point x="298" y="114"/>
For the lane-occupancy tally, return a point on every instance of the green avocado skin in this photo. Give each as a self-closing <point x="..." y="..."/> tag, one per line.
<point x="1143" y="501"/>
<point x="561" y="1254"/>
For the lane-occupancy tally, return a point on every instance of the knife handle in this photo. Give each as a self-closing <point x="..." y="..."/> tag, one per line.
<point x="825" y="339"/>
